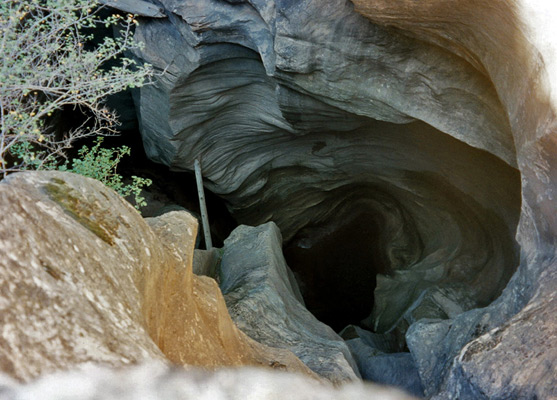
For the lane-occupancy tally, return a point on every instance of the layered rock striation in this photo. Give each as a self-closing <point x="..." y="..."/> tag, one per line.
<point x="430" y="123"/>
<point x="309" y="115"/>
<point x="264" y="301"/>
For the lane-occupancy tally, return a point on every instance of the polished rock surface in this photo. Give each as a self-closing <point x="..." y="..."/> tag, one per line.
<point x="85" y="280"/>
<point x="437" y="120"/>
<point x="302" y="113"/>
<point x="264" y="301"/>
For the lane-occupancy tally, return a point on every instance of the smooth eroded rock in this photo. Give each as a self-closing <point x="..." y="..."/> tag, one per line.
<point x="514" y="44"/>
<point x="264" y="301"/>
<point x="304" y="112"/>
<point x="85" y="280"/>
<point x="381" y="360"/>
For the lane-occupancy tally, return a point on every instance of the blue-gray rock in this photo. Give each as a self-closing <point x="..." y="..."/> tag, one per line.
<point x="395" y="369"/>
<point x="506" y="350"/>
<point x="382" y="342"/>
<point x="282" y="101"/>
<point x="380" y="360"/>
<point x="265" y="303"/>
<point x="303" y="112"/>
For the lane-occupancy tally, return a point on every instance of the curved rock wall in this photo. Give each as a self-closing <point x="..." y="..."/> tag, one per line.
<point x="514" y="43"/>
<point x="303" y="112"/>
<point x="430" y="116"/>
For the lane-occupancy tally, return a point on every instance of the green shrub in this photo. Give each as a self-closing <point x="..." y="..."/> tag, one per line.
<point x="97" y="162"/>
<point x="47" y="62"/>
<point x="101" y="163"/>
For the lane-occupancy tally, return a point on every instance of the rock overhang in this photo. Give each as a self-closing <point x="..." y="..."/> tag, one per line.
<point x="305" y="118"/>
<point x="296" y="108"/>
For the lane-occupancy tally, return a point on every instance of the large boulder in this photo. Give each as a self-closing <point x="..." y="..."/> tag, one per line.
<point x="84" y="279"/>
<point x="264" y="301"/>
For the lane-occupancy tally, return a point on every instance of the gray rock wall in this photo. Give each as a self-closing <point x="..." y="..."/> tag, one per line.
<point x="264" y="301"/>
<point x="303" y="112"/>
<point x="514" y="43"/>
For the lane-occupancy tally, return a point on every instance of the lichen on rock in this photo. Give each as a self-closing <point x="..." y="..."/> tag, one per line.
<point x="86" y="280"/>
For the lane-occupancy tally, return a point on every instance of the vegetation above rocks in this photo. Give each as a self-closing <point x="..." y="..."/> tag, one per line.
<point x="51" y="60"/>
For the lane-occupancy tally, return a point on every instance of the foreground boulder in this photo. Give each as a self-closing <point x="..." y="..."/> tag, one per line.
<point x="264" y="301"/>
<point x="85" y="280"/>
<point x="154" y="381"/>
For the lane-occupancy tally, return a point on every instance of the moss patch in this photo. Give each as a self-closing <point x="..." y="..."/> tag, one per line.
<point x="87" y="213"/>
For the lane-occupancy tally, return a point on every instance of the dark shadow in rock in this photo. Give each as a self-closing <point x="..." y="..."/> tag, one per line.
<point x="172" y="190"/>
<point x="338" y="273"/>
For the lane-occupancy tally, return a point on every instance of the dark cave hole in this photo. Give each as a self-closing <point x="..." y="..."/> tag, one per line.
<point x="337" y="275"/>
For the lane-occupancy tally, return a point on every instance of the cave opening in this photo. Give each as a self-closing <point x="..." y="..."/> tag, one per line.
<point x="338" y="271"/>
<point x="438" y="230"/>
<point x="337" y="274"/>
<point x="404" y="202"/>
<point x="377" y="222"/>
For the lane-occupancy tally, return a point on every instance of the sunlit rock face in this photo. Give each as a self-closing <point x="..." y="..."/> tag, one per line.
<point x="412" y="135"/>
<point x="86" y="281"/>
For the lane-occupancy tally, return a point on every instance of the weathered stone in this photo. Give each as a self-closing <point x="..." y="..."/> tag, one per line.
<point x="441" y="303"/>
<point x="155" y="381"/>
<point x="73" y="259"/>
<point x="302" y="114"/>
<point x="306" y="47"/>
<point x="264" y="301"/>
<point x="381" y="360"/>
<point x="382" y="342"/>
<point x="394" y="369"/>
<point x="282" y="99"/>
<point x="205" y="262"/>
<point x="177" y="231"/>
<point x="138" y="7"/>
<point x="85" y="280"/>
<point x="515" y="360"/>
<point x="423" y="340"/>
<point x="514" y="43"/>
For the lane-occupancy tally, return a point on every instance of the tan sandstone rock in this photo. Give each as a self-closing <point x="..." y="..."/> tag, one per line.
<point x="83" y="279"/>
